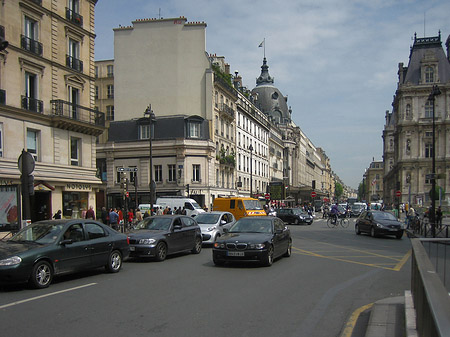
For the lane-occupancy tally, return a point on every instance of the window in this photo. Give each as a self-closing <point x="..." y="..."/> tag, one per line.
<point x="429" y="75"/>
<point x="33" y="143"/>
<point x="194" y="130"/>
<point x="1" y="140"/>
<point x="74" y="99"/>
<point x="73" y="58"/>
<point x="158" y="173"/>
<point x="110" y="113"/>
<point x="96" y="92"/>
<point x="133" y="174"/>
<point x="96" y="72"/>
<point x="110" y="70"/>
<point x="110" y="89"/>
<point x="217" y="125"/>
<point x="94" y="231"/>
<point x="73" y="12"/>
<point x="144" y="131"/>
<point x="196" y="173"/>
<point x="408" y="110"/>
<point x="172" y="172"/>
<point x="428" y="150"/>
<point x="429" y="109"/>
<point x="30" y="100"/>
<point x="75" y="144"/>
<point x="29" y="40"/>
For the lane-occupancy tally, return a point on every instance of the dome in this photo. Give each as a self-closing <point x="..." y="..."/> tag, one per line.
<point x="269" y="99"/>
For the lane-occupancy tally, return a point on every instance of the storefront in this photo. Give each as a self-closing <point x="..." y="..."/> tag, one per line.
<point x="75" y="198"/>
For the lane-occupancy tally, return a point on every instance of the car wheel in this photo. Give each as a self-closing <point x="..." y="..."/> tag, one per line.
<point x="296" y="222"/>
<point x="357" y="231"/>
<point x="372" y="232"/>
<point x="289" y="249"/>
<point x="114" y="262"/>
<point x="198" y="246"/>
<point x="42" y="275"/>
<point x="161" y="251"/>
<point x="269" y="258"/>
<point x="399" y="236"/>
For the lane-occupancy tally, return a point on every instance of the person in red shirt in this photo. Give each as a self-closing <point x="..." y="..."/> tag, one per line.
<point x="130" y="216"/>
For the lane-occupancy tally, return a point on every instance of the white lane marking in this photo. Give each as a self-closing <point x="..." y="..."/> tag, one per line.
<point x="46" y="295"/>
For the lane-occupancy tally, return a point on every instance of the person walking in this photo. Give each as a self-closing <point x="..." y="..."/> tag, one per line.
<point x="439" y="217"/>
<point x="104" y="215"/>
<point x="138" y="215"/>
<point x="114" y="219"/>
<point x="90" y="213"/>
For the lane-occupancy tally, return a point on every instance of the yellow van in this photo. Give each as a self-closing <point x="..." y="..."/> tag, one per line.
<point x="239" y="206"/>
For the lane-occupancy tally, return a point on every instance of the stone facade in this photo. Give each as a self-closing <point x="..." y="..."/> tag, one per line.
<point x="47" y="103"/>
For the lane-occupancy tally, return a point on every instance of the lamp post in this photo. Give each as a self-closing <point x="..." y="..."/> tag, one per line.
<point x="151" y="117"/>
<point x="434" y="92"/>
<point x="251" y="169"/>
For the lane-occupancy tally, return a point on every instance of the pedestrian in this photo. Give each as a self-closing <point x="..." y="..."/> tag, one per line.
<point x="57" y="215"/>
<point x="130" y="215"/>
<point x="159" y="211"/>
<point x="104" y="215"/>
<point x="138" y="215"/>
<point x="183" y="211"/>
<point x="146" y="214"/>
<point x="114" y="219"/>
<point x="90" y="214"/>
<point x="439" y="217"/>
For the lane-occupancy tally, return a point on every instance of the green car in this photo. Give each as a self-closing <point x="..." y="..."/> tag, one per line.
<point x="53" y="247"/>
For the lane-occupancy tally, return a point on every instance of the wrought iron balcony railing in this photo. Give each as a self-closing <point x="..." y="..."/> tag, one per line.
<point x="32" y="104"/>
<point x="74" y="17"/>
<point x="77" y="112"/>
<point x="226" y="109"/>
<point x="31" y="45"/>
<point x="74" y="63"/>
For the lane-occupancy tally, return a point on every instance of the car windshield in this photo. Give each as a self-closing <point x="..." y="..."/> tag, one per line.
<point x="196" y="206"/>
<point x="384" y="216"/>
<point x="252" y="225"/>
<point x="207" y="218"/>
<point x="42" y="233"/>
<point x="159" y="224"/>
<point x="298" y="211"/>
<point x="252" y="205"/>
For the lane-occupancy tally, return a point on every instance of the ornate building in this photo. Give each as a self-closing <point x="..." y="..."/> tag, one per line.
<point x="408" y="133"/>
<point x="47" y="105"/>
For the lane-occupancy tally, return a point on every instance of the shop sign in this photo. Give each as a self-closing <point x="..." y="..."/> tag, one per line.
<point x="196" y="192"/>
<point x="78" y="187"/>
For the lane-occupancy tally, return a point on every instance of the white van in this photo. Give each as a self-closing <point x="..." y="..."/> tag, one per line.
<point x="192" y="207"/>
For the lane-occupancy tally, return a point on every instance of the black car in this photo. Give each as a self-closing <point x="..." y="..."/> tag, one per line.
<point x="52" y="247"/>
<point x="159" y="236"/>
<point x="294" y="216"/>
<point x="378" y="223"/>
<point x="254" y="238"/>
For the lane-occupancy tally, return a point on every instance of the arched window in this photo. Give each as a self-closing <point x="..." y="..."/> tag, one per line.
<point x="429" y="75"/>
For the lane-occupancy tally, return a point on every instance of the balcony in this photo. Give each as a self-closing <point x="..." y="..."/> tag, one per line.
<point x="226" y="110"/>
<point x="31" y="45"/>
<point x="2" y="96"/>
<point x="74" y="63"/>
<point x="74" y="17"/>
<point x="77" y="112"/>
<point x="32" y="104"/>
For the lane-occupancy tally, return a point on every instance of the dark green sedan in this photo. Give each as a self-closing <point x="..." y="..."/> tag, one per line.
<point x="53" y="247"/>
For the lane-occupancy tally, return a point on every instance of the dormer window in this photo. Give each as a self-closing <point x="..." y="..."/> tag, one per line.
<point x="429" y="74"/>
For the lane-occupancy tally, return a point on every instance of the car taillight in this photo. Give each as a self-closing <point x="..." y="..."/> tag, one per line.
<point x="128" y="240"/>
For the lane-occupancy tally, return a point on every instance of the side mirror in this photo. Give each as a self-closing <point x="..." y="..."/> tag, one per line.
<point x="222" y="222"/>
<point x="226" y="230"/>
<point x="177" y="227"/>
<point x="66" y="242"/>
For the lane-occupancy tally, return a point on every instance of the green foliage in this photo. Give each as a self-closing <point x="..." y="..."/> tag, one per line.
<point x="338" y="190"/>
<point x="226" y="77"/>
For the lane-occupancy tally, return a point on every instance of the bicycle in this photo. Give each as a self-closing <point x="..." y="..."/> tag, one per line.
<point x="334" y="220"/>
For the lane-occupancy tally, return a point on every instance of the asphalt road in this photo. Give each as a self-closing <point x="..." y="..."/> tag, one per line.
<point x="331" y="274"/>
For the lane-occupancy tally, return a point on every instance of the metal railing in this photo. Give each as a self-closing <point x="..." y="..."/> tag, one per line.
<point x="77" y="112"/>
<point x="428" y="286"/>
<point x="31" y="45"/>
<point x="74" y="17"/>
<point x="74" y="63"/>
<point x="32" y="104"/>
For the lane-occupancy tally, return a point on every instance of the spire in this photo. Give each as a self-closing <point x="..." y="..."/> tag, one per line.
<point x="264" y="78"/>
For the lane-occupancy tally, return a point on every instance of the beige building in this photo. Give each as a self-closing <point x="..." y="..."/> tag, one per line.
<point x="47" y="105"/>
<point x="408" y="132"/>
<point x="373" y="182"/>
<point x="104" y="92"/>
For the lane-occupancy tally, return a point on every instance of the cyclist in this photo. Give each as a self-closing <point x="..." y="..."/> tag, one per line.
<point x="334" y="212"/>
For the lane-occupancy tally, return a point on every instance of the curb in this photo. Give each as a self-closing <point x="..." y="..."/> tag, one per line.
<point x="387" y="318"/>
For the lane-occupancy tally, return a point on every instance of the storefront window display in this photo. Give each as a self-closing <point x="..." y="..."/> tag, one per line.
<point x="74" y="204"/>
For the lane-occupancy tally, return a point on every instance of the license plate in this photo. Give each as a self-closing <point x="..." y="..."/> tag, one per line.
<point x="235" y="253"/>
<point x="132" y="248"/>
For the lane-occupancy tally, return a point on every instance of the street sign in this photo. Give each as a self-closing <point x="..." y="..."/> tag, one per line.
<point x="127" y="169"/>
<point x="398" y="194"/>
<point x="313" y="194"/>
<point x="267" y="196"/>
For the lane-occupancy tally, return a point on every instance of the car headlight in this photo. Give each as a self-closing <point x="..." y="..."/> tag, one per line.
<point x="379" y="225"/>
<point x="146" y="241"/>
<point x="210" y="229"/>
<point x="220" y="245"/>
<point x="256" y="245"/>
<point x="10" y="261"/>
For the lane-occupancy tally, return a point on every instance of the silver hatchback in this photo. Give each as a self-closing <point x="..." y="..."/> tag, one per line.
<point x="213" y="223"/>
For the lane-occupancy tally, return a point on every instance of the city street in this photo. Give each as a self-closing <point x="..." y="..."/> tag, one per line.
<point x="331" y="274"/>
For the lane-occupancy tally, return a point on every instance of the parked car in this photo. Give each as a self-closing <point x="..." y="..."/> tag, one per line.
<point x="212" y="224"/>
<point x="378" y="223"/>
<point x="294" y="216"/>
<point x="159" y="236"/>
<point x="356" y="210"/>
<point x="52" y="247"/>
<point x="261" y="238"/>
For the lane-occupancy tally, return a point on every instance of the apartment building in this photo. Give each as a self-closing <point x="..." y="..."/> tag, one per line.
<point x="47" y="106"/>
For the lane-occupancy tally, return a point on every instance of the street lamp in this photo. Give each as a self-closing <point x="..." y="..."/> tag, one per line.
<point x="434" y="92"/>
<point x="152" y="186"/>
<point x="251" y="169"/>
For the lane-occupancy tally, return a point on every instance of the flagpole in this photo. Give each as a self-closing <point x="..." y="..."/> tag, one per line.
<point x="264" y="41"/>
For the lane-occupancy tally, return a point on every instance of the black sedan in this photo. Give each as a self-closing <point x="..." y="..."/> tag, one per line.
<point x="47" y="248"/>
<point x="378" y="223"/>
<point x="254" y="238"/>
<point x="159" y="236"/>
<point x="294" y="216"/>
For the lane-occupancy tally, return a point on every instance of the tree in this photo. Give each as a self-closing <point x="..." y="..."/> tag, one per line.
<point x="338" y="190"/>
<point x="361" y="190"/>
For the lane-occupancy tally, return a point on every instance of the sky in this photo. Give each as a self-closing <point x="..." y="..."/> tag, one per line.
<point x="335" y="60"/>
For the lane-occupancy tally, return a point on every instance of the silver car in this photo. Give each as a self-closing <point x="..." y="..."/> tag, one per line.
<point x="213" y="223"/>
